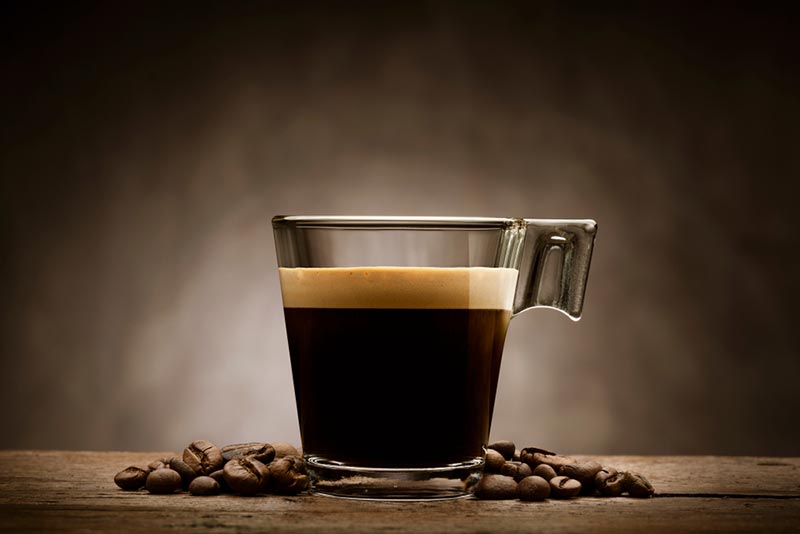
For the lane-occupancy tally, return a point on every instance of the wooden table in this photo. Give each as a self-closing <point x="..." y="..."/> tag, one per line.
<point x="56" y="491"/>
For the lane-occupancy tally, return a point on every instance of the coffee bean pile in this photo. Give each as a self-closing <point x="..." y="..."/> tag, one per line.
<point x="532" y="474"/>
<point x="205" y="469"/>
<point x="535" y="474"/>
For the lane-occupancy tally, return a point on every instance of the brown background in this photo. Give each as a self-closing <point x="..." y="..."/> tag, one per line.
<point x="144" y="150"/>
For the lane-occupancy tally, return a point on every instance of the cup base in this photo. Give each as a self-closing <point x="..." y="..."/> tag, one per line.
<point x="334" y="479"/>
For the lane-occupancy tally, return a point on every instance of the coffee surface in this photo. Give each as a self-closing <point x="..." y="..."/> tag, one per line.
<point x="386" y="359"/>
<point x="399" y="287"/>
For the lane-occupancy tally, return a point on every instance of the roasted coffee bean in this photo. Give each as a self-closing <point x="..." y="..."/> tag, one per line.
<point x="603" y="475"/>
<point x="533" y="488"/>
<point x="164" y="480"/>
<point x="516" y="456"/>
<point x="494" y="461"/>
<point x="516" y="470"/>
<point x="219" y="476"/>
<point x="287" y="475"/>
<point x="263" y="452"/>
<point x="285" y="449"/>
<point x="496" y="487"/>
<point x="505" y="447"/>
<point x="526" y="455"/>
<point x="132" y="478"/>
<point x="299" y="463"/>
<point x="203" y="456"/>
<point x="229" y="452"/>
<point x="562" y="487"/>
<point x="187" y="473"/>
<point x="609" y="482"/>
<point x="204" y="485"/>
<point x="545" y="471"/>
<point x="637" y="485"/>
<point x="582" y="472"/>
<point x="161" y="463"/>
<point x="246" y="475"/>
<point x="553" y="460"/>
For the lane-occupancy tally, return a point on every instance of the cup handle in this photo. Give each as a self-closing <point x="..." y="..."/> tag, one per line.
<point x="555" y="265"/>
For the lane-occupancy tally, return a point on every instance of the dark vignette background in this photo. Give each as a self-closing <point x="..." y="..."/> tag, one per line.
<point x="145" y="147"/>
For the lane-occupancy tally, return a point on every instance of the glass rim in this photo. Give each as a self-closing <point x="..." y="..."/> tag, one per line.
<point x="391" y="221"/>
<point x="416" y="222"/>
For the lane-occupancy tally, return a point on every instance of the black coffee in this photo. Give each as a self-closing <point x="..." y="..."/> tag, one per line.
<point x="395" y="387"/>
<point x="396" y="366"/>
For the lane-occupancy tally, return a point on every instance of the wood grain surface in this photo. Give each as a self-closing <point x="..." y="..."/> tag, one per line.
<point x="58" y="491"/>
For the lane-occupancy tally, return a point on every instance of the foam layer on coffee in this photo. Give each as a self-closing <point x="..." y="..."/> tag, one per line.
<point x="399" y="287"/>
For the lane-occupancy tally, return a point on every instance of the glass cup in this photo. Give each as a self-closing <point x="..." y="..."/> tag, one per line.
<point x="396" y="328"/>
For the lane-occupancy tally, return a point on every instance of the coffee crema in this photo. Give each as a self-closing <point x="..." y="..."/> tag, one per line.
<point x="486" y="288"/>
<point x="396" y="367"/>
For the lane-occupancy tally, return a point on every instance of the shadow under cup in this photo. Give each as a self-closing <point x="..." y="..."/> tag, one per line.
<point x="396" y="330"/>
